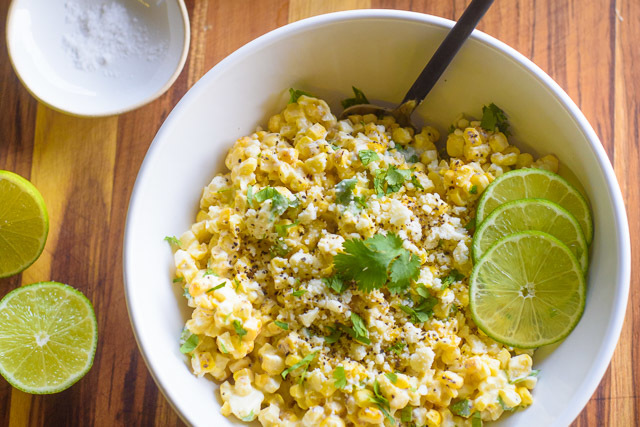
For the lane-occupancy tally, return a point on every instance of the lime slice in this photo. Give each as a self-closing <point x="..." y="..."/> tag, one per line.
<point x="527" y="290"/>
<point x="536" y="183"/>
<point x="24" y="224"/>
<point x="48" y="337"/>
<point x="531" y="214"/>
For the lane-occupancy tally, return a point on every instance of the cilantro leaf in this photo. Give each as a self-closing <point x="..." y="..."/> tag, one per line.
<point x="416" y="316"/>
<point x="304" y="362"/>
<point x="283" y="229"/>
<point x="239" y="329"/>
<point x="381" y="402"/>
<point x="368" y="156"/>
<point x="223" y="348"/>
<point x="471" y="224"/>
<point x="279" y="203"/>
<point x="504" y="406"/>
<point x="209" y="272"/>
<point x="335" y="283"/>
<point x="461" y="408"/>
<point x="360" y="329"/>
<point x="299" y="292"/>
<point x="335" y="335"/>
<point x="173" y="241"/>
<point x="186" y="292"/>
<point x="403" y="269"/>
<point x="359" y="98"/>
<point x="280" y="248"/>
<point x="250" y="195"/>
<point x="416" y="183"/>
<point x="282" y="325"/>
<point x="493" y="117"/>
<point x="340" y="377"/>
<point x="452" y="129"/>
<point x="476" y="420"/>
<point x="390" y="180"/>
<point x="398" y="347"/>
<point x="178" y="280"/>
<point x="393" y="377"/>
<point x="221" y="285"/>
<point x="344" y="191"/>
<point x="406" y="415"/>
<point x="189" y="344"/>
<point x="295" y="94"/>
<point x="453" y="276"/>
<point x="473" y="189"/>
<point x="534" y="373"/>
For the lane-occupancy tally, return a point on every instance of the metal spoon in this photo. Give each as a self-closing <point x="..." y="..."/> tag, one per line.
<point x="433" y="70"/>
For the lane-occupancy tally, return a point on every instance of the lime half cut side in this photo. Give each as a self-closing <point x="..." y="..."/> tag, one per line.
<point x="24" y="224"/>
<point x="536" y="184"/>
<point x="48" y="337"/>
<point x="531" y="214"/>
<point x="528" y="290"/>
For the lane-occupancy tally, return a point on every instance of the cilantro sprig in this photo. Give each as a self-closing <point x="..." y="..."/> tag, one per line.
<point x="279" y="203"/>
<point x="391" y="180"/>
<point x="368" y="156"/>
<point x="381" y="402"/>
<point x="493" y="117"/>
<point x="422" y="309"/>
<point x="376" y="261"/>
<point x="302" y="363"/>
<point x="294" y="94"/>
<point x="190" y="342"/>
<point x="453" y="276"/>
<point x="359" y="98"/>
<point x="340" y="377"/>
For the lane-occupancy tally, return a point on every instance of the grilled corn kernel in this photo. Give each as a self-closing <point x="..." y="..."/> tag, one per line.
<point x="401" y="136"/>
<point x="510" y="397"/>
<point x="504" y="159"/>
<point x="472" y="137"/>
<point x="363" y="397"/>
<point x="455" y="145"/>
<point x="498" y="142"/>
<point x="433" y="418"/>
<point x="525" y="160"/>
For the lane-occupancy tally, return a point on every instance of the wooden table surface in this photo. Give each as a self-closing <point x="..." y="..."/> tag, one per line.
<point x="85" y="170"/>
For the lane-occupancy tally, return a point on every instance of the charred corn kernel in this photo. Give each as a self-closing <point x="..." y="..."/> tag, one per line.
<point x="476" y="368"/>
<point x="451" y="380"/>
<point x="433" y="418"/>
<point x="472" y="137"/>
<point x="370" y="415"/>
<point x="401" y="136"/>
<point x="317" y="131"/>
<point x="317" y="163"/>
<point x="525" y="396"/>
<point x="455" y="145"/>
<point x="504" y="159"/>
<point x="363" y="397"/>
<point x="525" y="160"/>
<point x="332" y="421"/>
<point x="510" y="397"/>
<point x="498" y="142"/>
<point x="548" y="162"/>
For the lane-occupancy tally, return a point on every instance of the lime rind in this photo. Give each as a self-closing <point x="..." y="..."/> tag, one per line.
<point x="556" y="310"/>
<point x="88" y="353"/>
<point x="488" y="202"/>
<point x="538" y="211"/>
<point x="27" y="187"/>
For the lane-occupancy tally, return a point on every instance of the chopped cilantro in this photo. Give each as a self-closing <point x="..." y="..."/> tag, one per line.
<point x="186" y="292"/>
<point x="340" y="377"/>
<point x="504" y="406"/>
<point x="209" y="272"/>
<point x="250" y="195"/>
<point x="371" y="263"/>
<point x="360" y="329"/>
<point x="398" y="347"/>
<point x="299" y="292"/>
<point x="223" y="348"/>
<point x="335" y="283"/>
<point x="390" y="180"/>
<point x="368" y="156"/>
<point x="335" y="334"/>
<point x="224" y="190"/>
<point x="359" y="98"/>
<point x="381" y="402"/>
<point x="453" y="276"/>
<point x="221" y="285"/>
<point x="534" y="373"/>
<point x="173" y="240"/>
<point x="476" y="420"/>
<point x="493" y="117"/>
<point x="282" y="325"/>
<point x="283" y="229"/>
<point x="178" y="280"/>
<point x="393" y="377"/>
<point x="361" y="202"/>
<point x="239" y="329"/>
<point x="471" y="224"/>
<point x="416" y="316"/>
<point x="344" y="191"/>
<point x="295" y="94"/>
<point x="452" y="129"/>
<point x="189" y="344"/>
<point x="280" y="248"/>
<point x="304" y="362"/>
<point x="250" y="417"/>
<point x="237" y="283"/>
<point x="406" y="415"/>
<point x="279" y="203"/>
<point x="416" y="183"/>
<point x="473" y="189"/>
<point x="461" y="408"/>
<point x="335" y="147"/>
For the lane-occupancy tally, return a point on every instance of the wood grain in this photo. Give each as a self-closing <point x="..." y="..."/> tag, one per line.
<point x="85" y="169"/>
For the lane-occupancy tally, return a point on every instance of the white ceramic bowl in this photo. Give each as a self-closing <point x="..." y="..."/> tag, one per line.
<point x="62" y="57"/>
<point x="381" y="52"/>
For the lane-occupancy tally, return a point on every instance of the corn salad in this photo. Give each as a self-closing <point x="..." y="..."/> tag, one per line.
<point x="289" y="348"/>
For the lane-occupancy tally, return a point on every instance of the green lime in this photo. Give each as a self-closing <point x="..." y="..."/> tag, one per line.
<point x="531" y="214"/>
<point x="538" y="184"/>
<point x="24" y="223"/>
<point x="48" y="337"/>
<point x="528" y="290"/>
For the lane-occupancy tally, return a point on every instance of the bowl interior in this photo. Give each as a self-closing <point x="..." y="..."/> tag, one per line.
<point x="59" y="52"/>
<point x="380" y="52"/>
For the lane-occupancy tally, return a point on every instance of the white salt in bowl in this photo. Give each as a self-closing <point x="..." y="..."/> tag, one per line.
<point x="380" y="52"/>
<point x="97" y="57"/>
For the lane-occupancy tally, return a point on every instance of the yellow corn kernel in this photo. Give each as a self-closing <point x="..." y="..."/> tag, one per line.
<point x="292" y="359"/>
<point x="426" y="138"/>
<point x="455" y="145"/>
<point x="429" y="156"/>
<point x="457" y="197"/>
<point x="548" y="162"/>
<point x="511" y="149"/>
<point x="296" y="391"/>
<point x="476" y="368"/>
<point x="504" y="159"/>
<point x="225" y="409"/>
<point x="477" y="153"/>
<point x="238" y="364"/>
<point x="332" y="421"/>
<point x="525" y="396"/>
<point x="313" y="416"/>
<point x="433" y="418"/>
<point x="316" y="132"/>
<point x="525" y="160"/>
<point x="370" y="415"/>
<point x="504" y="356"/>
<point x="498" y="142"/>
<point x="401" y="136"/>
<point x="369" y="118"/>
<point x="317" y="163"/>
<point x="292" y="112"/>
<point x="275" y="123"/>
<point x="363" y="397"/>
<point x="268" y="383"/>
<point x="519" y="366"/>
<point x="451" y="380"/>
<point x="481" y="181"/>
<point x="472" y="137"/>
<point x="510" y="397"/>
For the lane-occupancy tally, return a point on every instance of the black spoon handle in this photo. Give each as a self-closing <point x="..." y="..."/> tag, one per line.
<point x="447" y="50"/>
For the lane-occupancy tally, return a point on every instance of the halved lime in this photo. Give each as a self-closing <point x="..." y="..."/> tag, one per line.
<point x="531" y="214"/>
<point x="48" y="337"/>
<point x="24" y="223"/>
<point x="528" y="290"/>
<point x="536" y="183"/>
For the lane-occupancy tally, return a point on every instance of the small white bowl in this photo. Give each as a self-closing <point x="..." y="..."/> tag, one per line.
<point x="380" y="52"/>
<point x="79" y="73"/>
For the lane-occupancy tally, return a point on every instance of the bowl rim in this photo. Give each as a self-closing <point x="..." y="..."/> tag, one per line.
<point x="57" y="106"/>
<point x="615" y="321"/>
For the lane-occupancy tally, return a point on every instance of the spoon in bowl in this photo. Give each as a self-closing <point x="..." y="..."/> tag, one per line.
<point x="433" y="70"/>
